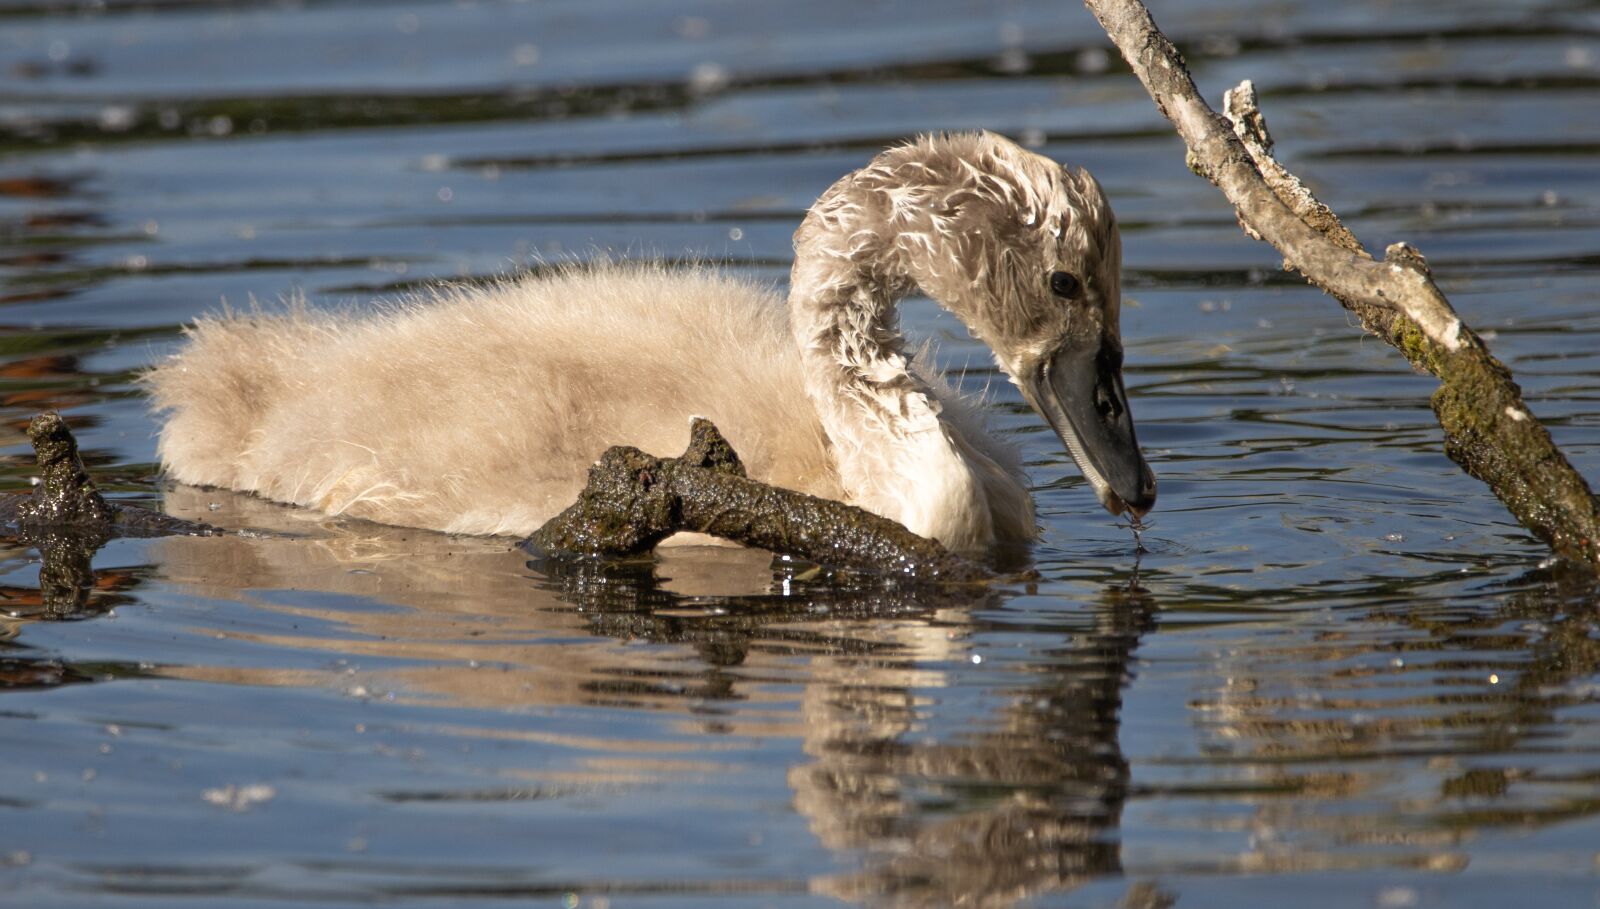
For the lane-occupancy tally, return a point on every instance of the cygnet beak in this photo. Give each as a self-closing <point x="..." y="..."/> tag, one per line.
<point x="1079" y="391"/>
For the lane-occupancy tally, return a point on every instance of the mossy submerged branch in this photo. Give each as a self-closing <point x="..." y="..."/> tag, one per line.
<point x="67" y="520"/>
<point x="66" y="500"/>
<point x="1488" y="430"/>
<point x="634" y="501"/>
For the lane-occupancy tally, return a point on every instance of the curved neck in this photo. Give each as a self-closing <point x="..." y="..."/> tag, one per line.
<point x="894" y="454"/>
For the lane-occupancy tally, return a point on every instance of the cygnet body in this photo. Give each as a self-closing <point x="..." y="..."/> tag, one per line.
<point x="479" y="409"/>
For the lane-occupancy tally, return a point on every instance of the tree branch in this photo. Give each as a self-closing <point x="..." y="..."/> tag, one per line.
<point x="634" y="501"/>
<point x="1488" y="430"/>
<point x="66" y="499"/>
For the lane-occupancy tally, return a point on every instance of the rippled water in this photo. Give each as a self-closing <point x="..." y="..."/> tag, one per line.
<point x="1340" y="677"/>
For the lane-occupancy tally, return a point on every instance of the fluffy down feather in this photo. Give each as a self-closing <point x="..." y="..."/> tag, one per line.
<point x="479" y="409"/>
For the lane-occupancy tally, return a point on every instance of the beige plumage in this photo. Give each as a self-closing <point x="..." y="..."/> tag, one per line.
<point x="478" y="409"/>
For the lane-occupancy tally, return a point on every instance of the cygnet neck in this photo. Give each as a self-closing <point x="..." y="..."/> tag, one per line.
<point x="894" y="453"/>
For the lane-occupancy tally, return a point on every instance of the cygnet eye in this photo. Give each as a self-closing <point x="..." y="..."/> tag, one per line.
<point x="1065" y="284"/>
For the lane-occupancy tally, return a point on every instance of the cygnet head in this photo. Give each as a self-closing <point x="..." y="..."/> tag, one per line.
<point x="1025" y="251"/>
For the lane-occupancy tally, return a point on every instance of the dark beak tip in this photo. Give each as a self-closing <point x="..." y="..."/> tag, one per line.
<point x="1119" y="506"/>
<point x="1138" y="506"/>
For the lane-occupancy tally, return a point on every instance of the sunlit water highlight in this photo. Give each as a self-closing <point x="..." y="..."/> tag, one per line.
<point x="1338" y="675"/>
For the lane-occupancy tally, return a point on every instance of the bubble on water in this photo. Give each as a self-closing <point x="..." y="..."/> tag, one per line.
<point x="1093" y="60"/>
<point x="708" y="77"/>
<point x="1220" y="45"/>
<point x="239" y="798"/>
<point x="118" y="118"/>
<point x="1397" y="897"/>
<point x="1394" y="538"/>
<point x="1012" y="61"/>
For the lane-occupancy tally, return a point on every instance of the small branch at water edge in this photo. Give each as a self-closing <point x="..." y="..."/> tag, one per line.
<point x="634" y="501"/>
<point x="67" y="520"/>
<point x="66" y="499"/>
<point x="1488" y="430"/>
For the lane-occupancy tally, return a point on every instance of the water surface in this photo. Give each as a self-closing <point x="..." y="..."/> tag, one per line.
<point x="1342" y="676"/>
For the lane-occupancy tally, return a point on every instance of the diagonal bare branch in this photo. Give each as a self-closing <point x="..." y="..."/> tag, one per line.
<point x="1488" y="430"/>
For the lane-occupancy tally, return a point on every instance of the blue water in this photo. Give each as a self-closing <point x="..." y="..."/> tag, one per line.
<point x="1341" y="676"/>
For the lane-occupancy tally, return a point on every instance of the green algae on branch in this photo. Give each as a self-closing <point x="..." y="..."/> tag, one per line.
<point x="66" y="498"/>
<point x="1488" y="430"/>
<point x="634" y="501"/>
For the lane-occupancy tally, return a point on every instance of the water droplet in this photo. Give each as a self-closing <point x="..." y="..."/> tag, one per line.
<point x="1012" y="61"/>
<point x="1397" y="897"/>
<point x="118" y="118"/>
<point x="708" y="77"/>
<point x="1093" y="60"/>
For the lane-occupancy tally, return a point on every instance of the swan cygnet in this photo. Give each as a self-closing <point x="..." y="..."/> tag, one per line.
<point x="478" y="410"/>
